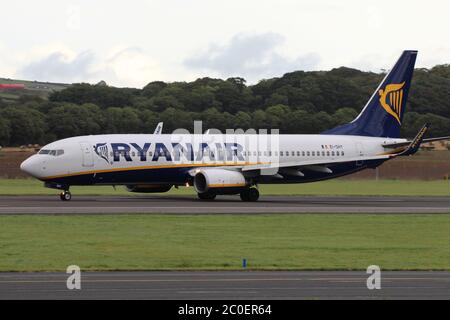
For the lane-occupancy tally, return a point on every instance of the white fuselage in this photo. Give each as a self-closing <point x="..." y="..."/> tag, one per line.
<point x="120" y="154"/>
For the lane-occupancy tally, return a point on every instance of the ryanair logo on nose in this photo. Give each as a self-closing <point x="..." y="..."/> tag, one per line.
<point x="101" y="149"/>
<point x="391" y="99"/>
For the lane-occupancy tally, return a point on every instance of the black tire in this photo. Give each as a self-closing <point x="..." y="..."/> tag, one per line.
<point x="206" y="195"/>
<point x="250" y="195"/>
<point x="65" y="196"/>
<point x="253" y="194"/>
<point x="244" y="195"/>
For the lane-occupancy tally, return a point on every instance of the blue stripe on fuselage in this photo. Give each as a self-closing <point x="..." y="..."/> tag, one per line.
<point x="180" y="175"/>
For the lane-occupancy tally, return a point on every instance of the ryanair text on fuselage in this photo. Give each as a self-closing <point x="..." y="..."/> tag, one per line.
<point x="176" y="152"/>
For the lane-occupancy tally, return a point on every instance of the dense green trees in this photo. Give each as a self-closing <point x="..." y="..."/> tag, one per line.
<point x="298" y="102"/>
<point x="26" y="125"/>
<point x="5" y="131"/>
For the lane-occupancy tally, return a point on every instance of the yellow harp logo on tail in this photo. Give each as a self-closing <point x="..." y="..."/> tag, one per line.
<point x="391" y="99"/>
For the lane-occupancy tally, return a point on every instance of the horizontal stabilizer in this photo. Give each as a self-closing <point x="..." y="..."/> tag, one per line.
<point x="407" y="143"/>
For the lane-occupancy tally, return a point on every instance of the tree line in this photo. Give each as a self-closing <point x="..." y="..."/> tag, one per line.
<point x="298" y="102"/>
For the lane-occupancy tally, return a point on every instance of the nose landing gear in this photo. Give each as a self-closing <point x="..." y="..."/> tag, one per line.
<point x="65" y="195"/>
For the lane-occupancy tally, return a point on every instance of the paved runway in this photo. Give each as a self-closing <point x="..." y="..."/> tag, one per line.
<point x="224" y="204"/>
<point x="226" y="285"/>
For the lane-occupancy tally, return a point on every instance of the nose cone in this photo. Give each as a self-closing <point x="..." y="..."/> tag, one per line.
<point x="30" y="166"/>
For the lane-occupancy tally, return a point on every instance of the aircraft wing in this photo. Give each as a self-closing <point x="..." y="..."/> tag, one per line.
<point x="315" y="165"/>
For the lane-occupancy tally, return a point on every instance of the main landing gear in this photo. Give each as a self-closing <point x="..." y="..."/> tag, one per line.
<point x="208" y="195"/>
<point x="250" y="195"/>
<point x="65" y="195"/>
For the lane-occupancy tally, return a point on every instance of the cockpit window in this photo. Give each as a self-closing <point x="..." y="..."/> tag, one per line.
<point x="52" y="152"/>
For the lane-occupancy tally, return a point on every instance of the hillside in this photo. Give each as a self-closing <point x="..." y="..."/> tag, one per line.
<point x="32" y="88"/>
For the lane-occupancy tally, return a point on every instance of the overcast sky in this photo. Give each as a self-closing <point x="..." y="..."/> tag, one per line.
<point x="130" y="43"/>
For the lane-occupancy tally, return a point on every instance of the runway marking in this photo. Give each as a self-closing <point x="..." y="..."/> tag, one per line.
<point x="235" y="208"/>
<point x="222" y="280"/>
<point x="152" y="280"/>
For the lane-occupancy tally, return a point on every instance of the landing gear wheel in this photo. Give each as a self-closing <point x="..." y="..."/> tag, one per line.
<point x="206" y="195"/>
<point x="251" y="194"/>
<point x="65" y="196"/>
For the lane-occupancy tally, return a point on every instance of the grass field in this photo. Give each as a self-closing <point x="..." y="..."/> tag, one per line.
<point x="331" y="187"/>
<point x="150" y="242"/>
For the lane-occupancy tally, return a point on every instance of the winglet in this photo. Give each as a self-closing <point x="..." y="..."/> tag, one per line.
<point x="159" y="127"/>
<point x="415" y="143"/>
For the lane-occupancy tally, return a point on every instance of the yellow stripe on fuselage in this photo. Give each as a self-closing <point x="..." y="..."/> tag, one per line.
<point x="168" y="166"/>
<point x="226" y="185"/>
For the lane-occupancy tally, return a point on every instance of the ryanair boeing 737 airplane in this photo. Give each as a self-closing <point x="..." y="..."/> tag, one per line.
<point x="218" y="164"/>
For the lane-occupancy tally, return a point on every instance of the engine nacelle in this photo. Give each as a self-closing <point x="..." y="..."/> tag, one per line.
<point x="148" y="188"/>
<point x="219" y="180"/>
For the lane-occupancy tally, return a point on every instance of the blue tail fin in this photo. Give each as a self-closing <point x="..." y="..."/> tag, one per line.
<point x="382" y="116"/>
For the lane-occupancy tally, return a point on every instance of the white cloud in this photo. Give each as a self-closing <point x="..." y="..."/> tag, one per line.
<point x="431" y="57"/>
<point x="121" y="66"/>
<point x="6" y="68"/>
<point x="252" y="56"/>
<point x="265" y="37"/>
<point x="133" y="67"/>
<point x="58" y="67"/>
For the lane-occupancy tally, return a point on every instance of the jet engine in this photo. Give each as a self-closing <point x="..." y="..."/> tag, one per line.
<point x="220" y="181"/>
